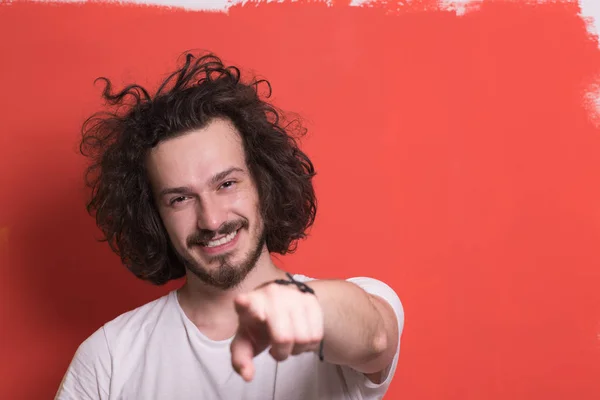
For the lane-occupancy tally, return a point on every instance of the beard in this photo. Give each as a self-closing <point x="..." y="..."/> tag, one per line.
<point x="226" y="274"/>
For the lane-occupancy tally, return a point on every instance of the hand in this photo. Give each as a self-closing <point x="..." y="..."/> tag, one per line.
<point x="282" y="317"/>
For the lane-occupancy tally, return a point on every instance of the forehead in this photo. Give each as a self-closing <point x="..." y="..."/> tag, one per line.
<point x="197" y="155"/>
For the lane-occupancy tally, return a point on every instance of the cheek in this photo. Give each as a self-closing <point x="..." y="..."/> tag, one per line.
<point x="254" y="213"/>
<point x="246" y="202"/>
<point x="178" y="225"/>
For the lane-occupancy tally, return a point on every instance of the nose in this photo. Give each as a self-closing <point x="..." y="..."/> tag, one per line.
<point x="211" y="214"/>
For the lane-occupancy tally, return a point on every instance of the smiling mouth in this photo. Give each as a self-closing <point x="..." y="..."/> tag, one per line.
<point x="221" y="241"/>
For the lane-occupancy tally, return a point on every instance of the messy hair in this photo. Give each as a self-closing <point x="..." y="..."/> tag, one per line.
<point x="117" y="141"/>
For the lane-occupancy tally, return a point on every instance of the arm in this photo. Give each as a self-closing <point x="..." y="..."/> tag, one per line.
<point x="361" y="330"/>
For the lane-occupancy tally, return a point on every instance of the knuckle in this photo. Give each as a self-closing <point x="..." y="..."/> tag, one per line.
<point x="303" y="339"/>
<point x="316" y="338"/>
<point x="278" y="354"/>
<point x="272" y="289"/>
<point x="282" y="338"/>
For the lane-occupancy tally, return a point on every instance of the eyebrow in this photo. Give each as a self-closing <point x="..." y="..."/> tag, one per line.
<point x="213" y="180"/>
<point x="175" y="190"/>
<point x="222" y="175"/>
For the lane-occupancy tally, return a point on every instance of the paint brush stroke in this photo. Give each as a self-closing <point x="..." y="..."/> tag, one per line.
<point x="590" y="9"/>
<point x="590" y="12"/>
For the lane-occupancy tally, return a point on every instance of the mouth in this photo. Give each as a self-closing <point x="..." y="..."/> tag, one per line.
<point x="221" y="241"/>
<point x="221" y="244"/>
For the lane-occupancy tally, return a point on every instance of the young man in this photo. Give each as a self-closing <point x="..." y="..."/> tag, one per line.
<point x="202" y="180"/>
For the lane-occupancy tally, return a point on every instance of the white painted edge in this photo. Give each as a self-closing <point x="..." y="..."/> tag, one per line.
<point x="590" y="11"/>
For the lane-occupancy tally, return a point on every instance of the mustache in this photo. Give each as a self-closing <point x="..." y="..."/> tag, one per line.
<point x="204" y="235"/>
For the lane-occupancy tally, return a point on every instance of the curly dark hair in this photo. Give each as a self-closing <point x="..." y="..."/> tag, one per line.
<point x="117" y="141"/>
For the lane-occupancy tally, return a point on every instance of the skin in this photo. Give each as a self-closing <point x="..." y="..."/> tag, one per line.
<point x="201" y="184"/>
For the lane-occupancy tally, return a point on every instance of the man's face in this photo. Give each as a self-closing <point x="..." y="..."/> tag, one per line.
<point x="209" y="202"/>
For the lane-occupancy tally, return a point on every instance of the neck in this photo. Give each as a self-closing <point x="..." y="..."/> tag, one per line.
<point x="212" y="309"/>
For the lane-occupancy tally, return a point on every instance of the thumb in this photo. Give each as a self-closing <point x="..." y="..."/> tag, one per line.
<point x="242" y="353"/>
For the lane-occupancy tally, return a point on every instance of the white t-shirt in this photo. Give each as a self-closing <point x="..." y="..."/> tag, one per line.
<point x="156" y="352"/>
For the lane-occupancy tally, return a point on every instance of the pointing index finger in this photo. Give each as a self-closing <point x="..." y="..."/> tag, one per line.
<point x="251" y="305"/>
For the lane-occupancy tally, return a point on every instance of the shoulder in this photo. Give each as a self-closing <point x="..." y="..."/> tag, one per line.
<point x="140" y="320"/>
<point x="89" y="373"/>
<point x="379" y="288"/>
<point x="132" y="322"/>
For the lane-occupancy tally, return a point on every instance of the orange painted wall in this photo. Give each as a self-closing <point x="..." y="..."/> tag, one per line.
<point x="458" y="159"/>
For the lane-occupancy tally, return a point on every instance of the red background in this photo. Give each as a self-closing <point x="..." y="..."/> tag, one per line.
<point x="458" y="160"/>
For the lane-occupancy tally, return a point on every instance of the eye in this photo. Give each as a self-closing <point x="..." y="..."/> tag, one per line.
<point x="177" y="200"/>
<point x="227" y="184"/>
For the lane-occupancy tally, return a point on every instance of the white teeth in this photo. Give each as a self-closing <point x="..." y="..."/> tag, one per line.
<point x="223" y="240"/>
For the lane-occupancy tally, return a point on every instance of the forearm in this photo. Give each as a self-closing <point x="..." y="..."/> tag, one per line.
<point x="361" y="330"/>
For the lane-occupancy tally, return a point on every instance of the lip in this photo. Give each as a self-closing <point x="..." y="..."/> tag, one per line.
<point x="221" y="248"/>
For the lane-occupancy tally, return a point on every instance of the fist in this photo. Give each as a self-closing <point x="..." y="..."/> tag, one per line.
<point x="281" y="317"/>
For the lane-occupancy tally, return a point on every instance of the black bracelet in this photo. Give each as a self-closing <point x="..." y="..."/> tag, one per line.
<point x="304" y="288"/>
